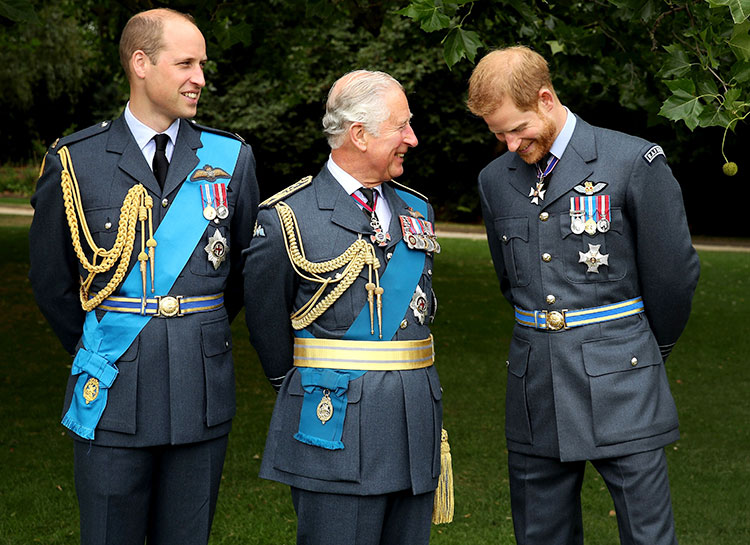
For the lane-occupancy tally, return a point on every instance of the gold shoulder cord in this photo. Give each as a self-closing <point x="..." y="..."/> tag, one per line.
<point x="136" y="207"/>
<point x="356" y="256"/>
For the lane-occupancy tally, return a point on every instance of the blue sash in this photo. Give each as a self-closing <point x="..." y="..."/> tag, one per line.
<point x="399" y="282"/>
<point x="105" y="340"/>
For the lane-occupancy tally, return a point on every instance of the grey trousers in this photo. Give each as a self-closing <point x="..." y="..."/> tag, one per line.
<point x="399" y="518"/>
<point x="545" y="497"/>
<point x="166" y="493"/>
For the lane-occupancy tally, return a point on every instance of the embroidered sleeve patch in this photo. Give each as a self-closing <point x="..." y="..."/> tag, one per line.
<point x="653" y="153"/>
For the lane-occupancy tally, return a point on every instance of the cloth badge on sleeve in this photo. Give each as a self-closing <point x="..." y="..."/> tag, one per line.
<point x="653" y="153"/>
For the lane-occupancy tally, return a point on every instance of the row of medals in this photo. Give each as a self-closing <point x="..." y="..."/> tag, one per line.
<point x="220" y="212"/>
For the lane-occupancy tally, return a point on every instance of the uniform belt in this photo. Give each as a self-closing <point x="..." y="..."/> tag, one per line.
<point x="556" y="320"/>
<point x="163" y="306"/>
<point x="364" y="355"/>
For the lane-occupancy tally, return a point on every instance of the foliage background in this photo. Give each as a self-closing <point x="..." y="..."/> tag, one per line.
<point x="272" y="62"/>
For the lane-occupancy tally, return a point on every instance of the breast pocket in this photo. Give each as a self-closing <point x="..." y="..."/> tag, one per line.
<point x="211" y="255"/>
<point x="514" y="238"/>
<point x="605" y="252"/>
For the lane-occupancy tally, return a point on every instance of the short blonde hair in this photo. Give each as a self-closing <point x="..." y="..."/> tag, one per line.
<point x="144" y="31"/>
<point x="516" y="72"/>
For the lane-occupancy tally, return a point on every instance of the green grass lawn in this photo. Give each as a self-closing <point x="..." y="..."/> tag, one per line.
<point x="709" y="373"/>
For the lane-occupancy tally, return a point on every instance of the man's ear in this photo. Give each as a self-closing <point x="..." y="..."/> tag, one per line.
<point x="138" y="62"/>
<point x="546" y="99"/>
<point x="358" y="136"/>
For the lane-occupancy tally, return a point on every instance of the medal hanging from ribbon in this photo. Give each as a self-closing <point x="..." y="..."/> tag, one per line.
<point x="379" y="237"/>
<point x="590" y="214"/>
<point x="419" y="234"/>
<point x="214" y="201"/>
<point x="537" y="192"/>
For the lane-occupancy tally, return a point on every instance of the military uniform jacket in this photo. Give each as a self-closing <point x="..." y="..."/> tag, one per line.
<point x="598" y="390"/>
<point x="176" y="380"/>
<point x="393" y="419"/>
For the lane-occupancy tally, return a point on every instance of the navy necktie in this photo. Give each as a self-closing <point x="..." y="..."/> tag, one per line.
<point x="368" y="195"/>
<point x="160" y="163"/>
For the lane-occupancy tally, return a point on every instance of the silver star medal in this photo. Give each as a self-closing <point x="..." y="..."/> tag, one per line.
<point x="419" y="305"/>
<point x="217" y="249"/>
<point x="593" y="259"/>
<point x="537" y="193"/>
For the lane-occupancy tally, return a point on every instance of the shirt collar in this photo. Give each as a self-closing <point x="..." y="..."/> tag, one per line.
<point x="143" y="134"/>
<point x="346" y="180"/>
<point x="563" y="139"/>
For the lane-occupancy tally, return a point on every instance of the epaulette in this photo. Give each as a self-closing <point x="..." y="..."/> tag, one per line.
<point x="228" y="134"/>
<point x="81" y="135"/>
<point x="410" y="190"/>
<point x="653" y="153"/>
<point x="284" y="193"/>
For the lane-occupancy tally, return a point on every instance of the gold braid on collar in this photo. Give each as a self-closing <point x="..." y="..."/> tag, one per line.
<point x="136" y="207"/>
<point x="354" y="258"/>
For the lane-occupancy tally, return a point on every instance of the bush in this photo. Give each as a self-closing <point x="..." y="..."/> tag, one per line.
<point x="18" y="181"/>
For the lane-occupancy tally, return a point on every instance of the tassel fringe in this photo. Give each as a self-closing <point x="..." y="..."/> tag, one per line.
<point x="442" y="510"/>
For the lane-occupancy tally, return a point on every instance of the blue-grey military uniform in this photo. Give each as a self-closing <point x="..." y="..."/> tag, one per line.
<point x="392" y="429"/>
<point x="598" y="391"/>
<point x="175" y="386"/>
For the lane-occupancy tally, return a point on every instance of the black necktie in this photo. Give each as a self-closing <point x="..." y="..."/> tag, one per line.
<point x="160" y="163"/>
<point x="368" y="194"/>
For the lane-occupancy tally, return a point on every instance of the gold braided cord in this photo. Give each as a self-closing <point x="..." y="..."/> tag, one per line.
<point x="135" y="208"/>
<point x="354" y="258"/>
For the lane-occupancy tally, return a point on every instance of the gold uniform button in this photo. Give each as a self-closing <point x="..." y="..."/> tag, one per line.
<point x="108" y="225"/>
<point x="404" y="324"/>
<point x="505" y="238"/>
<point x="551" y="299"/>
<point x="165" y="203"/>
<point x="546" y="257"/>
<point x="544" y="216"/>
<point x="634" y="362"/>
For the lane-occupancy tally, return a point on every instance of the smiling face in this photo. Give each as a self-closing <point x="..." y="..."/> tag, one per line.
<point x="384" y="155"/>
<point x="170" y="87"/>
<point x="529" y="133"/>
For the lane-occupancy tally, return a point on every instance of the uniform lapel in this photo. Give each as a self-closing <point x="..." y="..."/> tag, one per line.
<point x="398" y="208"/>
<point x="184" y="158"/>
<point x="521" y="176"/>
<point x="574" y="166"/>
<point x="345" y="212"/>
<point x="132" y="162"/>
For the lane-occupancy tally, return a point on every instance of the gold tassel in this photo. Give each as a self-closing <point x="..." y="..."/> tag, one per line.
<point x="442" y="509"/>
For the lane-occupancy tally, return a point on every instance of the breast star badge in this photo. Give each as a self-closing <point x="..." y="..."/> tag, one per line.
<point x="217" y="249"/>
<point x="593" y="259"/>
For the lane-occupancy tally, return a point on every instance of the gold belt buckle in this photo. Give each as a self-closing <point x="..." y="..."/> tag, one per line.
<point x="168" y="306"/>
<point x="555" y="320"/>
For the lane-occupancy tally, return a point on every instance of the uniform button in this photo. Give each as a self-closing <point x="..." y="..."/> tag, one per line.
<point x="505" y="238"/>
<point x="551" y="299"/>
<point x="226" y="344"/>
<point x="507" y="363"/>
<point x="544" y="216"/>
<point x="108" y="225"/>
<point x="634" y="362"/>
<point x="165" y="202"/>
<point x="388" y="256"/>
<point x="404" y="324"/>
<point x="546" y="257"/>
<point x="429" y="272"/>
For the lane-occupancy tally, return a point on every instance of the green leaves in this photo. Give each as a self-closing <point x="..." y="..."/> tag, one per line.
<point x="683" y="104"/>
<point x="18" y="11"/>
<point x="461" y="43"/>
<point x="740" y="9"/>
<point x="433" y="15"/>
<point x="430" y="17"/>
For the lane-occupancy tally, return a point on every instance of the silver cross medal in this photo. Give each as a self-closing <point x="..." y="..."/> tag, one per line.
<point x="537" y="192"/>
<point x="593" y="259"/>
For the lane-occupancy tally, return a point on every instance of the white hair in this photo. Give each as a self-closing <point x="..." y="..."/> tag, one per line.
<point x="360" y="99"/>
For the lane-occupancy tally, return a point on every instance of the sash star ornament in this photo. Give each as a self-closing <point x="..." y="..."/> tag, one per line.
<point x="593" y="258"/>
<point x="217" y="249"/>
<point x="419" y="305"/>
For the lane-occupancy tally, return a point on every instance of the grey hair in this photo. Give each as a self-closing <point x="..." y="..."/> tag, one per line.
<point x="359" y="100"/>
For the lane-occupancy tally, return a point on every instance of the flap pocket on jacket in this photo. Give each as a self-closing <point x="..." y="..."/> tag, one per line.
<point x="216" y="337"/>
<point x="618" y="354"/>
<point x="518" y="357"/>
<point x="509" y="228"/>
